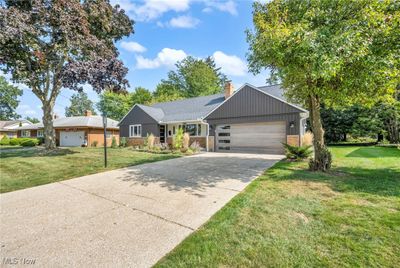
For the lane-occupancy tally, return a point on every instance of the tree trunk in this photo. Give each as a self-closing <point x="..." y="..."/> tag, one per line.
<point x="322" y="157"/>
<point x="49" y="133"/>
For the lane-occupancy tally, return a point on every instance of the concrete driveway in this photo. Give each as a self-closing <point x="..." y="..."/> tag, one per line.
<point x="126" y="217"/>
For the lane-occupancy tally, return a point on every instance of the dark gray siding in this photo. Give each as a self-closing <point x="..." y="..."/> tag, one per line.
<point x="138" y="116"/>
<point x="250" y="105"/>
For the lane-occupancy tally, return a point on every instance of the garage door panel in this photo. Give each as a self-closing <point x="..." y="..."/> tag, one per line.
<point x="264" y="137"/>
<point x="72" y="138"/>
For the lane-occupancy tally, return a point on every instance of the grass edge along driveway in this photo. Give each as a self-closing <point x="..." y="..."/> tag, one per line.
<point x="20" y="169"/>
<point x="290" y="217"/>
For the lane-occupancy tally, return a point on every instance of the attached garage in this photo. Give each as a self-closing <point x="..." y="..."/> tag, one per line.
<point x="256" y="120"/>
<point x="265" y="137"/>
<point x="72" y="138"/>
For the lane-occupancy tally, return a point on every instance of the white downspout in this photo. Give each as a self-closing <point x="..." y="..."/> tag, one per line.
<point x="207" y="134"/>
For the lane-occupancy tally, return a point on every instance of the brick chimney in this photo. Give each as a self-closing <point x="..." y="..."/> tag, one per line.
<point x="228" y="89"/>
<point x="88" y="113"/>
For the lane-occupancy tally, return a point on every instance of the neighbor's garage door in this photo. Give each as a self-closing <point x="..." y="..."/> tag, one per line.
<point x="72" y="138"/>
<point x="251" y="138"/>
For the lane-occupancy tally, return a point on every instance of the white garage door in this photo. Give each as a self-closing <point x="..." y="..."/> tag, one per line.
<point x="251" y="138"/>
<point x="72" y="138"/>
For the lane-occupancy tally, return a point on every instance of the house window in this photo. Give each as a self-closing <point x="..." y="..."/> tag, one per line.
<point x="135" y="131"/>
<point x="191" y="129"/>
<point x="199" y="130"/>
<point x="40" y="133"/>
<point x="25" y="133"/>
<point x="108" y="134"/>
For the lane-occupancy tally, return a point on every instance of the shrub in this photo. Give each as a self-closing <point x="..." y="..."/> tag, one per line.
<point x="307" y="138"/>
<point x="41" y="140"/>
<point x="157" y="148"/>
<point x="185" y="141"/>
<point x="123" y="142"/>
<point x="297" y="152"/>
<point x="114" y="142"/>
<point x="316" y="165"/>
<point x="5" y="140"/>
<point x="178" y="139"/>
<point x="14" y="141"/>
<point x="29" y="142"/>
<point x="149" y="141"/>
<point x="94" y="143"/>
<point x="164" y="146"/>
<point x="195" y="146"/>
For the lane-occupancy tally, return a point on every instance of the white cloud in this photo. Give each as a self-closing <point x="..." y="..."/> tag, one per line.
<point x="166" y="57"/>
<point x="160" y="24"/>
<point x="230" y="64"/>
<point x="207" y="9"/>
<point x="148" y="10"/>
<point x="26" y="110"/>
<point x="30" y="112"/>
<point x="133" y="47"/>
<point x="184" y="22"/>
<point x="228" y="6"/>
<point x="151" y="9"/>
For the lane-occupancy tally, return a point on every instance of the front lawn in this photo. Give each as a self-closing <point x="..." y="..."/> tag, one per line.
<point x="290" y="217"/>
<point x="26" y="168"/>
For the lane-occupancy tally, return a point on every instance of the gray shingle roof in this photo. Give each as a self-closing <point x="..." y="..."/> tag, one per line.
<point x="8" y="125"/>
<point x="156" y="113"/>
<point x="188" y="109"/>
<point x="274" y="90"/>
<point x="277" y="91"/>
<point x="196" y="108"/>
<point x="77" y="121"/>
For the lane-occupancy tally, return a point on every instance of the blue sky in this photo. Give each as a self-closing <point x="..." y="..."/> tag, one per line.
<point x="167" y="31"/>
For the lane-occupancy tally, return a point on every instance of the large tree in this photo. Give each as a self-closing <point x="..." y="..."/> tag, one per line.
<point x="8" y="100"/>
<point x="80" y="103"/>
<point x="50" y="45"/>
<point x="193" y="77"/>
<point x="327" y="52"/>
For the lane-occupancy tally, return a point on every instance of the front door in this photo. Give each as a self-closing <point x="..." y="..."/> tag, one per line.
<point x="162" y="133"/>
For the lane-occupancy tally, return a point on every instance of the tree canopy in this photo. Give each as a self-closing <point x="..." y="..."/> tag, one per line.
<point x="49" y="45"/>
<point x="330" y="52"/>
<point x="8" y="100"/>
<point x="192" y="78"/>
<point x="32" y="119"/>
<point x="80" y="103"/>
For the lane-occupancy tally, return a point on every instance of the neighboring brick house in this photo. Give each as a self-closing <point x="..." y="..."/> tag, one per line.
<point x="76" y="130"/>
<point x="251" y="119"/>
<point x="10" y="128"/>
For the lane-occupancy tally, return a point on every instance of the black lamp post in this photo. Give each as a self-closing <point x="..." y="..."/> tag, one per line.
<point x="105" y="138"/>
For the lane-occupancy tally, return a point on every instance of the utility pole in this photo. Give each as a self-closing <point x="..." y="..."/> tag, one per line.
<point x="105" y="138"/>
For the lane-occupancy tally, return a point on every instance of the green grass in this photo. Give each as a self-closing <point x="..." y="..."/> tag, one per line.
<point x="21" y="169"/>
<point x="290" y="217"/>
<point x="7" y="147"/>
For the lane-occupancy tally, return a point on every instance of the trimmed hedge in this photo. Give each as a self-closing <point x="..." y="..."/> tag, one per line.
<point x="352" y="144"/>
<point x="26" y="142"/>
<point x="5" y="140"/>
